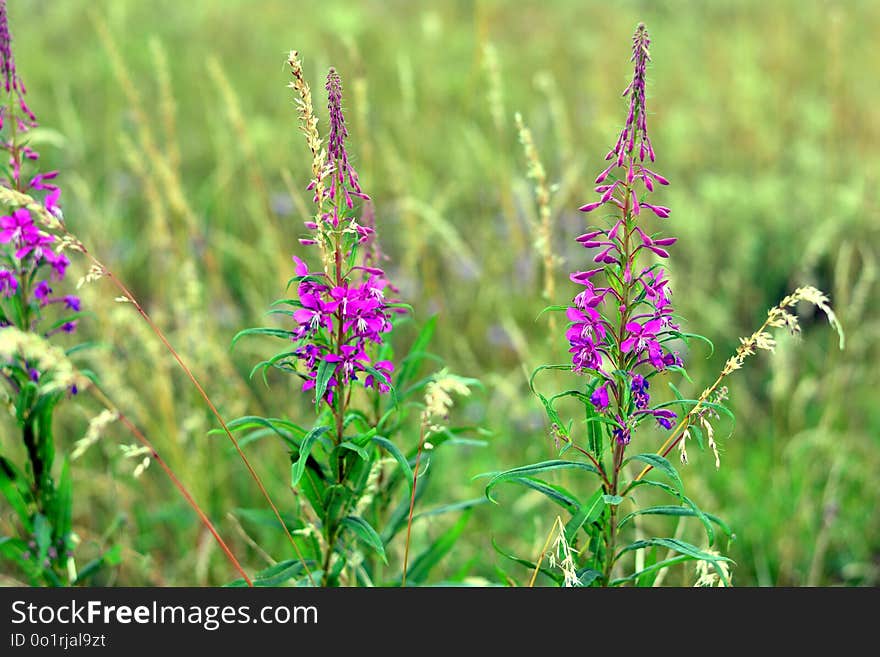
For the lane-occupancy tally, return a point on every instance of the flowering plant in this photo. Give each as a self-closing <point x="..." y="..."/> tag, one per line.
<point x="624" y="337"/>
<point x="34" y="311"/>
<point x="342" y="318"/>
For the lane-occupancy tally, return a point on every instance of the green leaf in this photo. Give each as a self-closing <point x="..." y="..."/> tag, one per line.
<point x="312" y="486"/>
<point x="587" y="576"/>
<point x="587" y="514"/>
<point x="12" y="548"/>
<point x="680" y="370"/>
<point x="336" y="499"/>
<point x="397" y="520"/>
<point x="295" y="303"/>
<point x="274" y="332"/>
<point x="681" y="547"/>
<point x="298" y="466"/>
<point x="42" y="536"/>
<point x="322" y="378"/>
<point x="448" y="508"/>
<point x="15" y="490"/>
<point x="657" y="461"/>
<point x="68" y="318"/>
<point x="284" y="429"/>
<point x="310" y="278"/>
<point x="111" y="557"/>
<point x="267" y="518"/>
<point x="556" y="577"/>
<point x="63" y="502"/>
<point x="398" y="456"/>
<point x="548" y="309"/>
<point x="423" y="564"/>
<point x="411" y="362"/>
<point x="275" y="575"/>
<point x="565" y="366"/>
<point x="556" y="494"/>
<point x="536" y="468"/>
<point x="354" y="447"/>
<point x="680" y="511"/>
<point x="365" y="532"/>
<point x="25" y="400"/>
<point x="687" y="336"/>
<point x="685" y="403"/>
<point x="652" y="568"/>
<point x="401" y="306"/>
<point x="685" y="500"/>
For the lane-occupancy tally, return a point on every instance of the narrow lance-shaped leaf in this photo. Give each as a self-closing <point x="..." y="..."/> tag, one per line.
<point x="536" y="468"/>
<point x="305" y="448"/>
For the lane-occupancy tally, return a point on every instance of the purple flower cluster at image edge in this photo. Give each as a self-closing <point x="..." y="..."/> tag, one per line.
<point x="344" y="314"/>
<point x="29" y="249"/>
<point x="647" y="310"/>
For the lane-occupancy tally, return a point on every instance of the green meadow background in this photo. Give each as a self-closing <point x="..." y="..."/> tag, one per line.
<point x="183" y="170"/>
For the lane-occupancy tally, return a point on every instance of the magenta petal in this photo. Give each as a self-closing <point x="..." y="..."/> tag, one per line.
<point x="583" y="276"/>
<point x="653" y="326"/>
<point x="660" y="252"/>
<point x="588" y="236"/>
<point x="575" y="315"/>
<point x="589" y="207"/>
<point x="602" y="176"/>
<point x="301" y="268"/>
<point x="613" y="232"/>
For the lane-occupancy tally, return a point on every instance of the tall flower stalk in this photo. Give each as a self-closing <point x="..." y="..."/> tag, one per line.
<point x="340" y="324"/>
<point x="622" y="335"/>
<point x="622" y="321"/>
<point x="37" y="373"/>
<point x="34" y="310"/>
<point x="343" y="312"/>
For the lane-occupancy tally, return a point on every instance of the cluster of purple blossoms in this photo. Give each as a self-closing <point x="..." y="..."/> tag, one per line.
<point x="29" y="260"/>
<point x="337" y="324"/>
<point x="619" y="330"/>
<point x="343" y="311"/>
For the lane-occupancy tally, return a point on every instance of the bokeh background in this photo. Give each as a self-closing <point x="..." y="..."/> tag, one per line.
<point x="183" y="169"/>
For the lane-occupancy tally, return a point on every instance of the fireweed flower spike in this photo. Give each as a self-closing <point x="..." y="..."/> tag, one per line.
<point x="619" y="331"/>
<point x="36" y="373"/>
<point x="344" y="312"/>
<point x="340" y="322"/>
<point x="28" y="255"/>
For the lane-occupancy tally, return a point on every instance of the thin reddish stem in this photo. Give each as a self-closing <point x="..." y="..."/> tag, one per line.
<point x="174" y="480"/>
<point x="412" y="504"/>
<point x="143" y="313"/>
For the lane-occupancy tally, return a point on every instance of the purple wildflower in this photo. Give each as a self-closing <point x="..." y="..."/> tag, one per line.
<point x="639" y="388"/>
<point x="28" y="248"/>
<point x="622" y="319"/>
<point x="42" y="291"/>
<point x="343" y="312"/>
<point x="599" y="398"/>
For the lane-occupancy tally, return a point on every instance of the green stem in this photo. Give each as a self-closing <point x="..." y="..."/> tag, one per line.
<point x="620" y="366"/>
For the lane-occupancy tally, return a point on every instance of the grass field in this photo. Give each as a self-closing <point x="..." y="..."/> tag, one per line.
<point x="183" y="169"/>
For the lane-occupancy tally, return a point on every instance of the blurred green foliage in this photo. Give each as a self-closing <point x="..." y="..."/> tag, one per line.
<point x="764" y="118"/>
